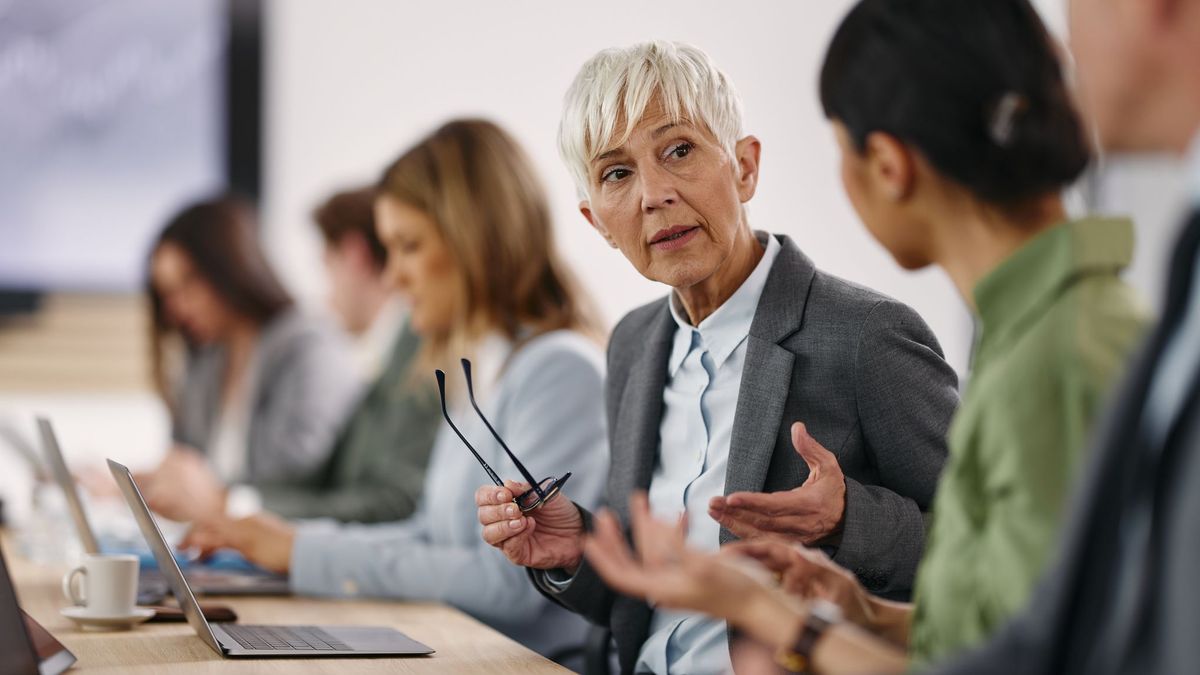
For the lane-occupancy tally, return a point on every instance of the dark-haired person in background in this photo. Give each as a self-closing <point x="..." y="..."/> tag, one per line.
<point x="958" y="135"/>
<point x="376" y="469"/>
<point x="369" y="309"/>
<point x="261" y="389"/>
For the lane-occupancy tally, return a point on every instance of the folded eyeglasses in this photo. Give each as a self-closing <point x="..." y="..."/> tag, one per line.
<point x="541" y="492"/>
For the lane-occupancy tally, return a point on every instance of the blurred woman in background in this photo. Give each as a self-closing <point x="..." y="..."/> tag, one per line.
<point x="260" y="390"/>
<point x="470" y="245"/>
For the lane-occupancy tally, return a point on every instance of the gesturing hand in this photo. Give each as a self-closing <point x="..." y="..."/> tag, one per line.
<point x="808" y="513"/>
<point x="810" y="574"/>
<point x="184" y="487"/>
<point x="549" y="537"/>
<point x="667" y="573"/>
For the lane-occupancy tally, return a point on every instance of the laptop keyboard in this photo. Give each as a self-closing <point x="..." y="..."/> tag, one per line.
<point x="300" y="638"/>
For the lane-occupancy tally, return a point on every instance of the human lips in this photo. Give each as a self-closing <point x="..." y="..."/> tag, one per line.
<point x="673" y="237"/>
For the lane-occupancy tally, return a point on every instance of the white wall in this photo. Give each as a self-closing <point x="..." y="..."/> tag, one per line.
<point x="353" y="82"/>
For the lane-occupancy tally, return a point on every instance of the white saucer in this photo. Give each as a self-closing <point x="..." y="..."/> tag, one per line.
<point x="81" y="616"/>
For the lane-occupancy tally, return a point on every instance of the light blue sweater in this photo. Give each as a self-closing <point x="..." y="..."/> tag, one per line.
<point x="548" y="405"/>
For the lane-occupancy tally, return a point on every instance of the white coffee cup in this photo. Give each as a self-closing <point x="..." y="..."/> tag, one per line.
<point x="110" y="584"/>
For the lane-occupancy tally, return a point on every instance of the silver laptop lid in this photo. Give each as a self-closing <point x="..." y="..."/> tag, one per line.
<point x="62" y="476"/>
<point x="162" y="553"/>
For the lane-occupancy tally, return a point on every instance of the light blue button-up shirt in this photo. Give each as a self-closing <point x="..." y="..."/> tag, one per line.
<point x="704" y="376"/>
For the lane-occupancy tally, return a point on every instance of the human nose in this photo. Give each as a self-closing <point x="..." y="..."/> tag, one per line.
<point x="658" y="189"/>
<point x="394" y="274"/>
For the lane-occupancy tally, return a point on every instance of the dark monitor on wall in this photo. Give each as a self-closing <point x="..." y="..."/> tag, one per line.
<point x="113" y="115"/>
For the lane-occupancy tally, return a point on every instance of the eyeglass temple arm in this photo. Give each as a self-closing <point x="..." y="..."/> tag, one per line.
<point x="441" y="380"/>
<point x="466" y="364"/>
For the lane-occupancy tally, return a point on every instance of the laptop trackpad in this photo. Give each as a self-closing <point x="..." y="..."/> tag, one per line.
<point x="377" y="639"/>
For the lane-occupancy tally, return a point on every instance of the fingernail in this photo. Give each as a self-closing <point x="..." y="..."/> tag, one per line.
<point x="510" y="511"/>
<point x="500" y="495"/>
<point x="514" y="524"/>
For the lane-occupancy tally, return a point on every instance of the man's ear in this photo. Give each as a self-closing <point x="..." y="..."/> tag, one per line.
<point x="747" y="152"/>
<point x="890" y="166"/>
<point x="585" y="207"/>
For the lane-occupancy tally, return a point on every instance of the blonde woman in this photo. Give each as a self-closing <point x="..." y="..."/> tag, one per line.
<point x="470" y="244"/>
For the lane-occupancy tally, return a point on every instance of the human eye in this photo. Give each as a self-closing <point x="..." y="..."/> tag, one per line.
<point x="678" y="150"/>
<point x="614" y="174"/>
<point x="404" y="245"/>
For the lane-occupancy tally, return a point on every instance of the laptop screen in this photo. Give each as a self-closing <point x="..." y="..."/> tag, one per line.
<point x="62" y="476"/>
<point x="162" y="553"/>
<point x="19" y="657"/>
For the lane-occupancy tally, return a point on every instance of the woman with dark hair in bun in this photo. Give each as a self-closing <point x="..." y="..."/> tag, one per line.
<point x="958" y="136"/>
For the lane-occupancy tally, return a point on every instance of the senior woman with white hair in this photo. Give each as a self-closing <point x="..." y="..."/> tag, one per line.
<point x="702" y="384"/>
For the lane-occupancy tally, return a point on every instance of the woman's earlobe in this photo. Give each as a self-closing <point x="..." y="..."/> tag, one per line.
<point x="749" y="151"/>
<point x="585" y="208"/>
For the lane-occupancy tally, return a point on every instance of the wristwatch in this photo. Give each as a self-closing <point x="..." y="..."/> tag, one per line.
<point x="821" y="615"/>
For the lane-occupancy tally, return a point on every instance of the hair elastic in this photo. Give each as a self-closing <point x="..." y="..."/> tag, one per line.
<point x="1004" y="117"/>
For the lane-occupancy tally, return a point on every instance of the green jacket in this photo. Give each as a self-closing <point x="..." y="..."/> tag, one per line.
<point x="1055" y="324"/>
<point x="377" y="468"/>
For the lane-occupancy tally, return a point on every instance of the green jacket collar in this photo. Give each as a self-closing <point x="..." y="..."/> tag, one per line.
<point x="1014" y="294"/>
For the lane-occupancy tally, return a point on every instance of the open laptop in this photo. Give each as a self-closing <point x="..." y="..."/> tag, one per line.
<point x="152" y="587"/>
<point x="25" y="647"/>
<point x="235" y="640"/>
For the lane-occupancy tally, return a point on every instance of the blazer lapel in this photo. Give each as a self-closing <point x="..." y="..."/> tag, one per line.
<point x="635" y="436"/>
<point x="767" y="375"/>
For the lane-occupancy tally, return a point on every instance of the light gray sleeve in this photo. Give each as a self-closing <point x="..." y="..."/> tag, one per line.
<point x="304" y="398"/>
<point x="553" y="416"/>
<point x="907" y="394"/>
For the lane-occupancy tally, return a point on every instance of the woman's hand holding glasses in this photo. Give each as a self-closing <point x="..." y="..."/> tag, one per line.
<point x="531" y="522"/>
<point x="550" y="537"/>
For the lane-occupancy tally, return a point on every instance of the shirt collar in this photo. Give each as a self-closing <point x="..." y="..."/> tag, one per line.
<point x="1016" y="292"/>
<point x="723" y="330"/>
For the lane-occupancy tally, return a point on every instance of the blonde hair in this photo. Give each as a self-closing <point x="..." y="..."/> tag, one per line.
<point x="475" y="182"/>
<point x="621" y="83"/>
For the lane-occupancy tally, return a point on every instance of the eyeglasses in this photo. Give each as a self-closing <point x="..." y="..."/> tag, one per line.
<point x="541" y="492"/>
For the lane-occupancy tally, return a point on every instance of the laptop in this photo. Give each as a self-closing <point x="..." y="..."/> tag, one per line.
<point x="234" y="640"/>
<point x="152" y="587"/>
<point x="27" y="648"/>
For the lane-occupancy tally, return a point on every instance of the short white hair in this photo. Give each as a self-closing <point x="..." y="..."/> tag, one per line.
<point x="624" y="81"/>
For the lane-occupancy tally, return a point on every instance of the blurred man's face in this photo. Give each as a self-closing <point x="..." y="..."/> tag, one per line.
<point x="1137" y="65"/>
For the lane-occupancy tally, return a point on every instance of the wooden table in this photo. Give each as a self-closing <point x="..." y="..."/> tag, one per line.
<point x="463" y="644"/>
